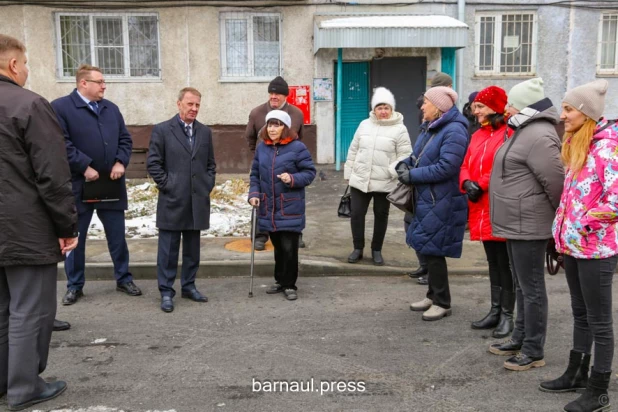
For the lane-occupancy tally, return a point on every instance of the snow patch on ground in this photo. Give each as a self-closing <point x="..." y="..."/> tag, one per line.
<point x="230" y="214"/>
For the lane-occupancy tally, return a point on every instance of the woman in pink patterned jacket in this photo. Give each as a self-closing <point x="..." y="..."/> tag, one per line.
<point x="586" y="232"/>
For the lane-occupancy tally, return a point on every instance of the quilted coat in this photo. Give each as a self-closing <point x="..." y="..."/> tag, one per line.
<point x="282" y="206"/>
<point x="438" y="226"/>
<point x="377" y="147"/>
<point x="587" y="218"/>
<point x="477" y="166"/>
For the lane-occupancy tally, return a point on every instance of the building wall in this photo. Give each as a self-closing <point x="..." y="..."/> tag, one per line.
<point x="566" y="52"/>
<point x="190" y="56"/>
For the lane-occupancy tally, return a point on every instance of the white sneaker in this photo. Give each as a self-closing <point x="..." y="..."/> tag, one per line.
<point x="436" y="313"/>
<point x="422" y="305"/>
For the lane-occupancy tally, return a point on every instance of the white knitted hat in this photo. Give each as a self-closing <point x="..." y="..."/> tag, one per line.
<point x="279" y="115"/>
<point x="382" y="95"/>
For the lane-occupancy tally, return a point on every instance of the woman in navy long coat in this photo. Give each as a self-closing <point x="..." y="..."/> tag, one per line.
<point x="439" y="222"/>
<point x="281" y="169"/>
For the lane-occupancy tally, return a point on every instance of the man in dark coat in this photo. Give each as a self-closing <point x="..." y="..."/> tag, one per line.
<point x="181" y="160"/>
<point x="98" y="145"/>
<point x="39" y="225"/>
<point x="278" y="92"/>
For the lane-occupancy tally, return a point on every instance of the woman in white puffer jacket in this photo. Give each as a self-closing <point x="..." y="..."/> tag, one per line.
<point x="379" y="143"/>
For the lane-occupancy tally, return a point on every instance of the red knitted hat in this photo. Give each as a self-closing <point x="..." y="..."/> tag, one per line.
<point x="493" y="97"/>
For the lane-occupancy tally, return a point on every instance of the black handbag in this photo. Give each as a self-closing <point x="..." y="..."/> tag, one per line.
<point x="345" y="204"/>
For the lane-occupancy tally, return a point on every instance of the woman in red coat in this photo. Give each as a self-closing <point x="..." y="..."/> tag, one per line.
<point x="489" y="109"/>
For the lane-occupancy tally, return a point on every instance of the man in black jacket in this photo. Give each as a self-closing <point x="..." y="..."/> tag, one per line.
<point x="39" y="226"/>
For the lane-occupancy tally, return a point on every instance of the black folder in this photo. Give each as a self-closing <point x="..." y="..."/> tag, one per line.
<point x="104" y="189"/>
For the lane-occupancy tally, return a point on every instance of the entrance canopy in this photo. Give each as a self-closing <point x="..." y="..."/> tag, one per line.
<point x="390" y="31"/>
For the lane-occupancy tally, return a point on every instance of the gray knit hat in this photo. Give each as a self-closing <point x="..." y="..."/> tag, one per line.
<point x="526" y="93"/>
<point x="441" y="79"/>
<point x="588" y="98"/>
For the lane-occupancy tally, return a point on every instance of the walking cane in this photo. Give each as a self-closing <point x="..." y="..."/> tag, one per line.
<point x="253" y="230"/>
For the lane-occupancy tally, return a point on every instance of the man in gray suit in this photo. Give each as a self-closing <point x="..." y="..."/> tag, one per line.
<point x="181" y="161"/>
<point x="39" y="225"/>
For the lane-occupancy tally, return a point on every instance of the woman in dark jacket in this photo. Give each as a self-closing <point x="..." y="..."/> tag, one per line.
<point x="439" y="222"/>
<point x="281" y="169"/>
<point x="524" y="191"/>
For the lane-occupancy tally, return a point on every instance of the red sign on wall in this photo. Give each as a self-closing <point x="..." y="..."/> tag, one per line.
<point x="299" y="97"/>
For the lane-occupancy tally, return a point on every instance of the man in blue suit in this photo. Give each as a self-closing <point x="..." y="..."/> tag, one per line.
<point x="97" y="143"/>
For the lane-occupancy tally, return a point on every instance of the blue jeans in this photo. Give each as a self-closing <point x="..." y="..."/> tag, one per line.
<point x="590" y="284"/>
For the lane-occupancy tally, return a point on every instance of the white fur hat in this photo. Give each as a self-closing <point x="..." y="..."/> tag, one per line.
<point x="279" y="115"/>
<point x="382" y="95"/>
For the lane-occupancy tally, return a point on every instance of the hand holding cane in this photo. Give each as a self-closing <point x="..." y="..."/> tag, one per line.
<point x="253" y="230"/>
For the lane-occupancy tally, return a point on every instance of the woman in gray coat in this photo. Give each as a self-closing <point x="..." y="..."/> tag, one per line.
<point x="525" y="188"/>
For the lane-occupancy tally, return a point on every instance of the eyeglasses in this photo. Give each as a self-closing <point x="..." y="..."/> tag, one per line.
<point x="99" y="82"/>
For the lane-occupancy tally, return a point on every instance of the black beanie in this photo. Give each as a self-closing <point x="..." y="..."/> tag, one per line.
<point x="279" y="86"/>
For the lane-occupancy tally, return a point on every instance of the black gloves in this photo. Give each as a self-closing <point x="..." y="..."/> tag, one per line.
<point x="473" y="190"/>
<point x="403" y="173"/>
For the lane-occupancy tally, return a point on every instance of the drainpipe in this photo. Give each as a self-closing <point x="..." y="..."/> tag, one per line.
<point x="338" y="112"/>
<point x="461" y="16"/>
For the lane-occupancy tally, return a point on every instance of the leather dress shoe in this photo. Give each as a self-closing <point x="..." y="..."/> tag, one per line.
<point x="129" y="288"/>
<point x="52" y="390"/>
<point x="418" y="273"/>
<point x="355" y="256"/>
<point x="60" y="325"/>
<point x="167" y="304"/>
<point x="72" y="296"/>
<point x="423" y="280"/>
<point x="376" y="256"/>
<point x="194" y="295"/>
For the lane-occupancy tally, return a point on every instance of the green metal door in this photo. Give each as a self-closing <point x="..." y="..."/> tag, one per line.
<point x="354" y="102"/>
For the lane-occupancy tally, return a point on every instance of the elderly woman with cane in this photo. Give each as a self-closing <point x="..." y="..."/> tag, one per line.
<point x="586" y="232"/>
<point x="282" y="168"/>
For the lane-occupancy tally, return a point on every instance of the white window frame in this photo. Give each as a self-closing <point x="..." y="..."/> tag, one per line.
<point x="125" y="40"/>
<point x="498" y="44"/>
<point x="234" y="15"/>
<point x="601" y="71"/>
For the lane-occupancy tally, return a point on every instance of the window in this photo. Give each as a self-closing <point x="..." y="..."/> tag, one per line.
<point x="608" y="43"/>
<point x="250" y="46"/>
<point x="505" y="44"/>
<point x="122" y="45"/>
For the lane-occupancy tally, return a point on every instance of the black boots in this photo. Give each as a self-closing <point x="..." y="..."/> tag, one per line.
<point x="595" y="397"/>
<point x="493" y="317"/>
<point x="355" y="256"/>
<point x="376" y="256"/>
<point x="505" y="326"/>
<point x="574" y="379"/>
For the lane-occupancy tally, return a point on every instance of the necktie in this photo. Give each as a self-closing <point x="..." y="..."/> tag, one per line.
<point x="189" y="134"/>
<point x="94" y="106"/>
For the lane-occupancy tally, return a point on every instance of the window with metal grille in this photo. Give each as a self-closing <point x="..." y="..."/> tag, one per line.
<point x="505" y="44"/>
<point x="607" y="60"/>
<point x="122" y="45"/>
<point x="250" y="46"/>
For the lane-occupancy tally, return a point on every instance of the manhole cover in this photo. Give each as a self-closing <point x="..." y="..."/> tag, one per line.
<point x="244" y="245"/>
